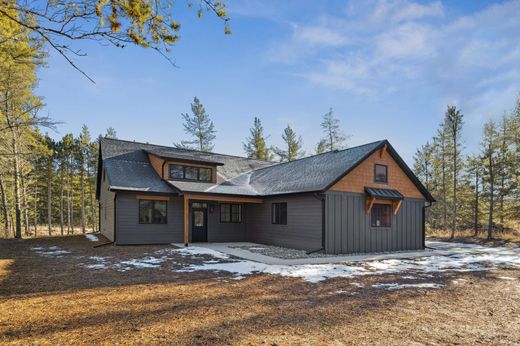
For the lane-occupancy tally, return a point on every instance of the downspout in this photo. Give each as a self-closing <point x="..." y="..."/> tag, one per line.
<point x="321" y="197"/>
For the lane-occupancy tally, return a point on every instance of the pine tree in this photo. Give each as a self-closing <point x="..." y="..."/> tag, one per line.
<point x="423" y="164"/>
<point x="293" y="146"/>
<point x="321" y="147"/>
<point x="255" y="146"/>
<point x="334" y="136"/>
<point x="474" y="173"/>
<point x="111" y="133"/>
<point x="453" y="124"/>
<point x="198" y="126"/>
<point x="490" y="146"/>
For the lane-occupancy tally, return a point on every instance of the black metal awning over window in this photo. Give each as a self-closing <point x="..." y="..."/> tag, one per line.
<point x="388" y="194"/>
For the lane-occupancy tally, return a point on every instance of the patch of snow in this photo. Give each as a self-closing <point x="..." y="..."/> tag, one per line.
<point x="397" y="286"/>
<point x="193" y="251"/>
<point x="52" y="251"/>
<point x="409" y="277"/>
<point x="505" y="278"/>
<point x="256" y="248"/>
<point x="358" y="284"/>
<point x="145" y="262"/>
<point x="91" y="237"/>
<point x="467" y="258"/>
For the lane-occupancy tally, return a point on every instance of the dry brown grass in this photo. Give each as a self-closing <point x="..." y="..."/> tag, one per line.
<point x="508" y="238"/>
<point x="56" y="301"/>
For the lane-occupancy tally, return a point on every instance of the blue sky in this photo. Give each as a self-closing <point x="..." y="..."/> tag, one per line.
<point x="388" y="68"/>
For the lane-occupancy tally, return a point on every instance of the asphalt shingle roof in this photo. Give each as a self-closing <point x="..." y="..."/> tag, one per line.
<point x="128" y="168"/>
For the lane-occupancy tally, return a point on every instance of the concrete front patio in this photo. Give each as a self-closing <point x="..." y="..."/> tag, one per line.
<point x="433" y="248"/>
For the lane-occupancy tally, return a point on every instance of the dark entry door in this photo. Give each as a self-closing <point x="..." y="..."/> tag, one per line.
<point x="199" y="225"/>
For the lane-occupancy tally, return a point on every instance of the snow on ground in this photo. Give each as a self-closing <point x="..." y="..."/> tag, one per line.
<point x="397" y="286"/>
<point x="465" y="258"/>
<point x="462" y="258"/>
<point x="91" y="237"/>
<point x="52" y="251"/>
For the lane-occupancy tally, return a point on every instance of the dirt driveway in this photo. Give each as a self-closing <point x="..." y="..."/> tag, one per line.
<point x="63" y="291"/>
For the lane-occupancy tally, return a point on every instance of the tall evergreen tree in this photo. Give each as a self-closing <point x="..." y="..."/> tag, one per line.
<point x="255" y="146"/>
<point x="474" y="173"/>
<point x="453" y="124"/>
<point x="490" y="145"/>
<point x="293" y="143"/>
<point x="321" y="147"/>
<point x="334" y="138"/>
<point x="199" y="126"/>
<point x="111" y="133"/>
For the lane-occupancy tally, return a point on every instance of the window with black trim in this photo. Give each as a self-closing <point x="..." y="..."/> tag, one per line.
<point x="279" y="213"/>
<point x="381" y="215"/>
<point x="181" y="172"/>
<point x="230" y="213"/>
<point x="152" y="212"/>
<point x="381" y="174"/>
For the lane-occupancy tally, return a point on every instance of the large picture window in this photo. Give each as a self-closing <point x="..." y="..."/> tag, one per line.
<point x="279" y="213"/>
<point x="381" y="215"/>
<point x="381" y="174"/>
<point x="230" y="213"/>
<point x="152" y="212"/>
<point x="180" y="172"/>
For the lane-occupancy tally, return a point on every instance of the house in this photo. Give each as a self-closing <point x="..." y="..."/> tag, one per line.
<point x="362" y="199"/>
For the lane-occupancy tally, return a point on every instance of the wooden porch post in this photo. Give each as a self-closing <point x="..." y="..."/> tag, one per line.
<point x="186" y="219"/>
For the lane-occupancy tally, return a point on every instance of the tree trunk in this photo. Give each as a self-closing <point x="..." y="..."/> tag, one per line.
<point x="476" y="203"/>
<point x="49" y="201"/>
<point x="91" y="200"/>
<point x="5" y="207"/>
<point x="82" y="187"/>
<point x="25" y="205"/>
<point x="444" y="205"/>
<point x="454" y="207"/>
<point x="491" y="199"/>
<point x="62" y="196"/>
<point x="35" y="210"/>
<point x="17" y="199"/>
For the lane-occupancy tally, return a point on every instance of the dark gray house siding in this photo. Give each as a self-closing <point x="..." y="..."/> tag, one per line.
<point x="106" y="210"/>
<point x="348" y="230"/>
<point x="225" y="232"/>
<point x="304" y="222"/>
<point x="130" y="231"/>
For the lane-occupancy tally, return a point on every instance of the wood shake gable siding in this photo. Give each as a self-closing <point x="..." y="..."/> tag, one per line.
<point x="347" y="223"/>
<point x="363" y="175"/>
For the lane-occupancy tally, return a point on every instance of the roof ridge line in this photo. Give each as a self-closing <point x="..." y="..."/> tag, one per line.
<point x="184" y="149"/>
<point x="328" y="152"/>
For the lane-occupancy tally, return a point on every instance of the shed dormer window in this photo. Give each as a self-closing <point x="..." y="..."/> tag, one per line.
<point x="181" y="172"/>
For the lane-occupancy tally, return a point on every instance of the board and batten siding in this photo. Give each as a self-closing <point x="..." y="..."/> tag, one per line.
<point x="304" y="222"/>
<point x="106" y="207"/>
<point x="348" y="227"/>
<point x="130" y="231"/>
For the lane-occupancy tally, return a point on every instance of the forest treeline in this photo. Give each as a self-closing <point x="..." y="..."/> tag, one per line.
<point x="477" y="191"/>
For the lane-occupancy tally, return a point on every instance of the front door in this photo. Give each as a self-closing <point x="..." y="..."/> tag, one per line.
<point x="199" y="225"/>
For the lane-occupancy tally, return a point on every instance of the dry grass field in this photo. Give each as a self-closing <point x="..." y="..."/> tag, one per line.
<point x="58" y="300"/>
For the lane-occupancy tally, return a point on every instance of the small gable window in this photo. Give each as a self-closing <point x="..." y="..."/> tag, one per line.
<point x="152" y="212"/>
<point x="279" y="213"/>
<point x="381" y="174"/>
<point x="381" y="215"/>
<point x="181" y="172"/>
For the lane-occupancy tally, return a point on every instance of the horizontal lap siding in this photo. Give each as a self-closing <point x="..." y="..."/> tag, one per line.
<point x="346" y="219"/>
<point x="106" y="201"/>
<point x="304" y="222"/>
<point x="225" y="232"/>
<point x="129" y="231"/>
